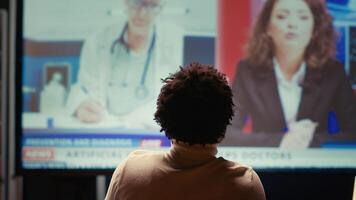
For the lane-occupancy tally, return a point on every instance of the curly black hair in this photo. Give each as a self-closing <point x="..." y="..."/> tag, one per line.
<point x="195" y="105"/>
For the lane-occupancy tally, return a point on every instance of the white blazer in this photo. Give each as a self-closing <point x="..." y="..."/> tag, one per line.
<point x="95" y="68"/>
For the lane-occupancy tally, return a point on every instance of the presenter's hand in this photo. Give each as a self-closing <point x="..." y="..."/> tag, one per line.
<point x="300" y="135"/>
<point x="90" y="112"/>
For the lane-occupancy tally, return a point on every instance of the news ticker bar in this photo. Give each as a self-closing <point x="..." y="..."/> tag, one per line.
<point x="94" y="140"/>
<point x="109" y="157"/>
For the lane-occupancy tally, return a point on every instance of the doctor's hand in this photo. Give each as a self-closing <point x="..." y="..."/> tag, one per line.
<point x="299" y="135"/>
<point x="90" y="112"/>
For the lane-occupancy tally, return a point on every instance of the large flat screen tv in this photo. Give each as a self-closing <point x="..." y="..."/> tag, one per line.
<point x="84" y="98"/>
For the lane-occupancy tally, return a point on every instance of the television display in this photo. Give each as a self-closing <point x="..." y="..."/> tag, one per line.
<point x="88" y="74"/>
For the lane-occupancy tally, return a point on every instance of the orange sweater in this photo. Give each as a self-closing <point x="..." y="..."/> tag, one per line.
<point x="184" y="173"/>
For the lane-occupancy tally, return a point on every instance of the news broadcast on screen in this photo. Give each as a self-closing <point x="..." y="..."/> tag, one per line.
<point x="85" y="98"/>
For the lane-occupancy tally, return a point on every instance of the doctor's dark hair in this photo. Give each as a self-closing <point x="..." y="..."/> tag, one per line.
<point x="195" y="105"/>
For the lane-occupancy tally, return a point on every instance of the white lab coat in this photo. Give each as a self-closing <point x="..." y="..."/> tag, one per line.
<point x="95" y="70"/>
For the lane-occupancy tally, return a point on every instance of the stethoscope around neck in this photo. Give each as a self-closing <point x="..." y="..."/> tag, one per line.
<point x="141" y="90"/>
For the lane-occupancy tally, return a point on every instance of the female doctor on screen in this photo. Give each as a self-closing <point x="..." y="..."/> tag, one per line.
<point x="290" y="80"/>
<point x="121" y="66"/>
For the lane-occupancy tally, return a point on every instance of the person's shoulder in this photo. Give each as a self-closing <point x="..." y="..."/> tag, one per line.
<point x="145" y="157"/>
<point x="332" y="64"/>
<point x="244" y="63"/>
<point x="245" y="70"/>
<point x="333" y="68"/>
<point x="244" y="181"/>
<point x="245" y="66"/>
<point x="141" y="163"/>
<point x="135" y="171"/>
<point x="240" y="170"/>
<point x="107" y="33"/>
<point x="241" y="174"/>
<point x="137" y="154"/>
